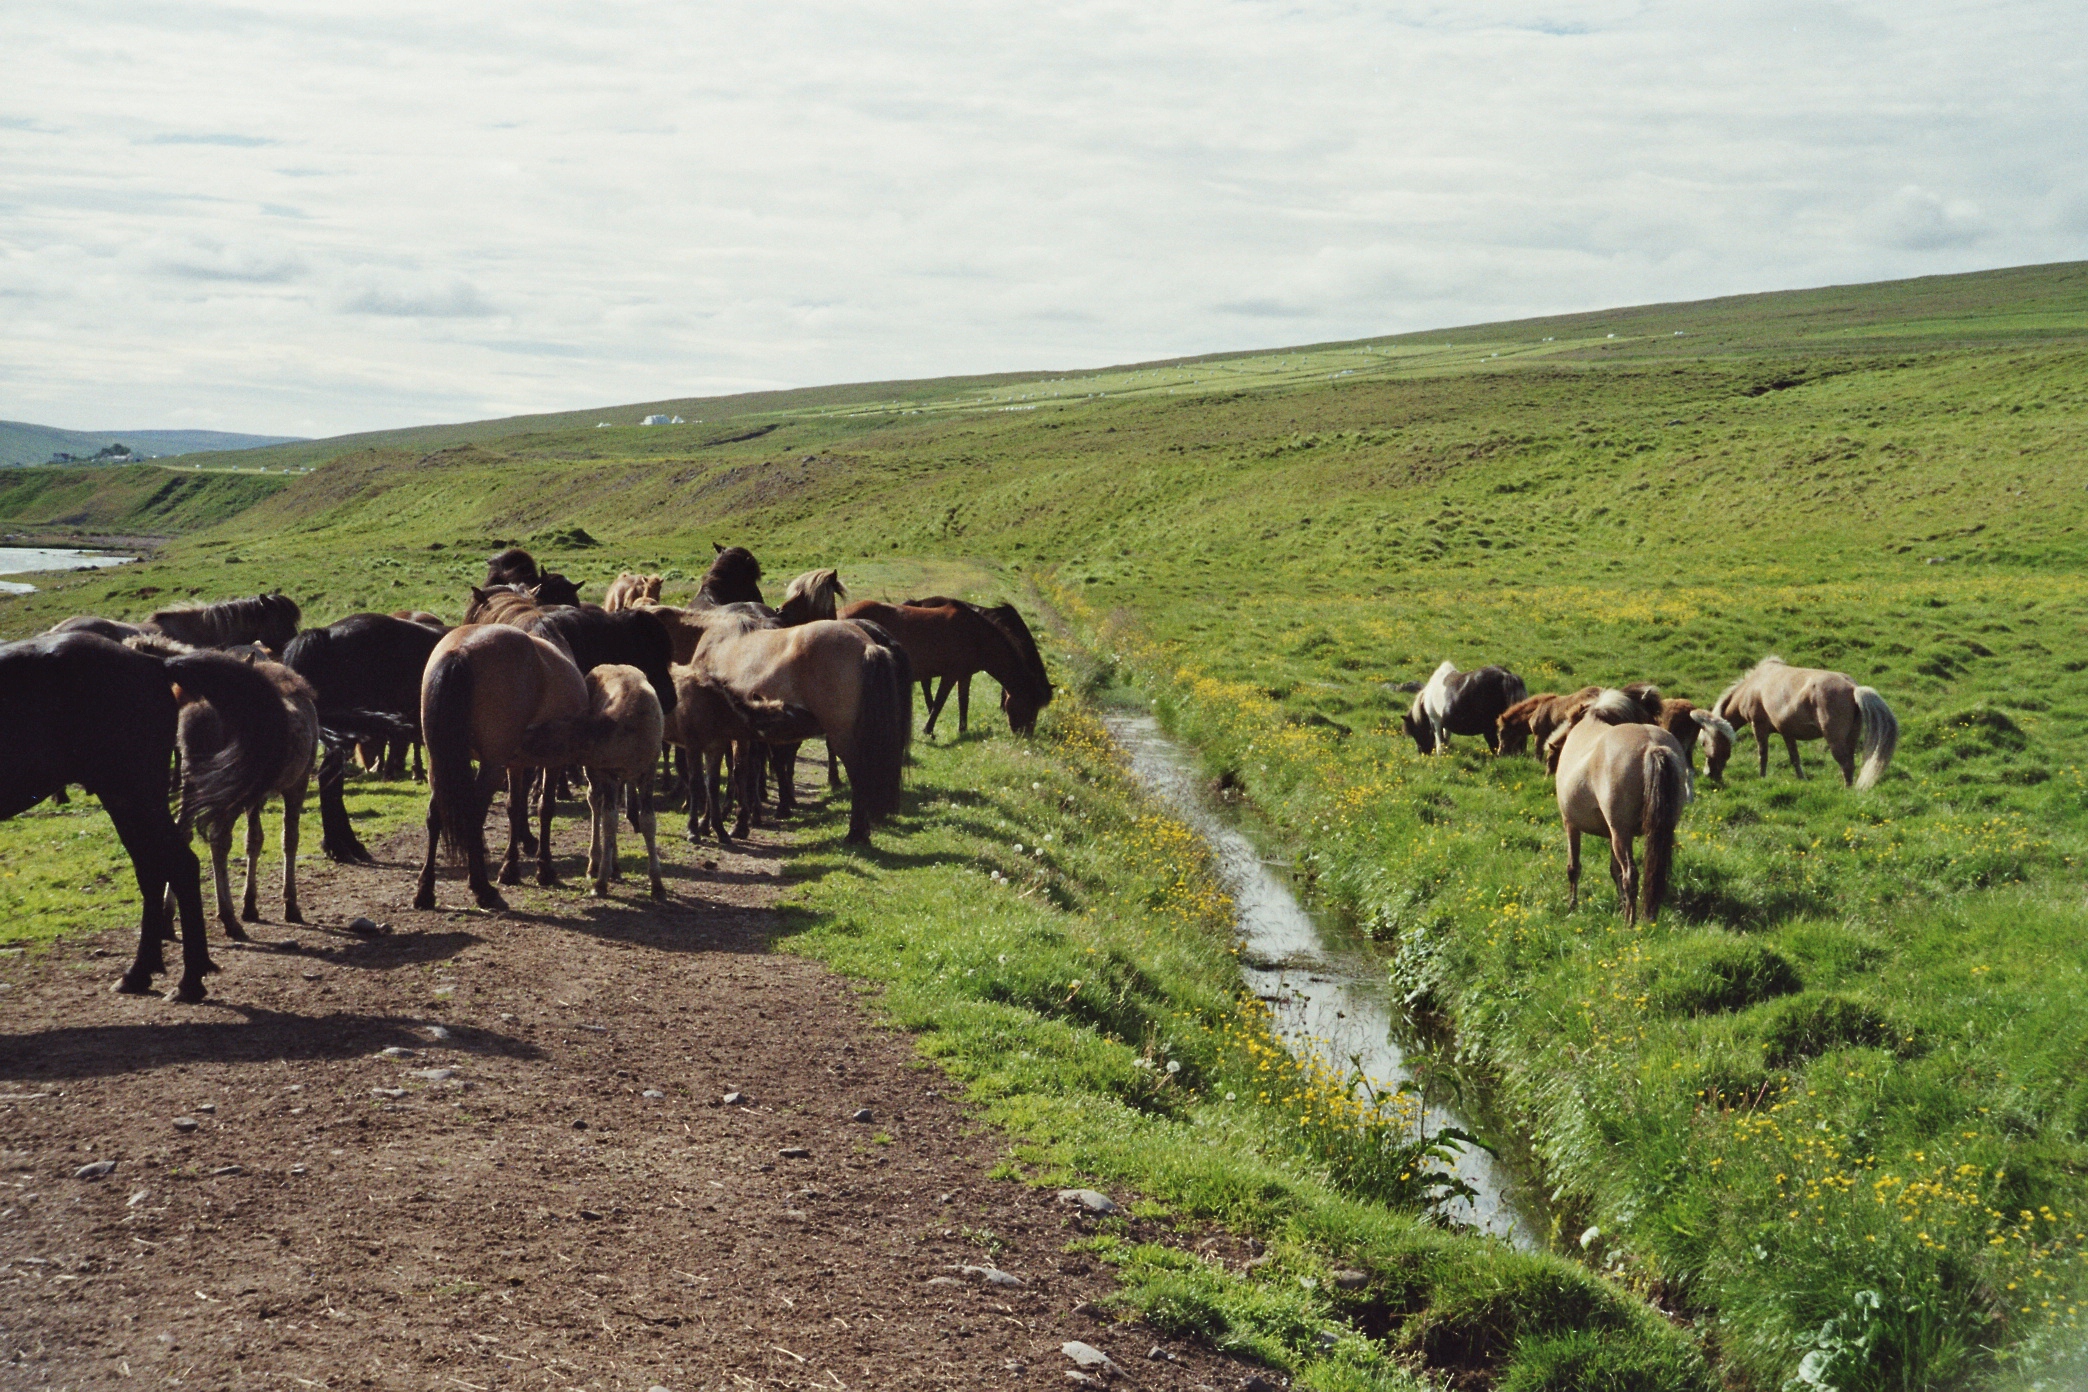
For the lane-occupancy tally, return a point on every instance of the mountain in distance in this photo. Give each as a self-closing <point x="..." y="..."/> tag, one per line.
<point x="23" y="443"/>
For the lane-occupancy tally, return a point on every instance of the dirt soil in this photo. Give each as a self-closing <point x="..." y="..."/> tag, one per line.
<point x="491" y="1150"/>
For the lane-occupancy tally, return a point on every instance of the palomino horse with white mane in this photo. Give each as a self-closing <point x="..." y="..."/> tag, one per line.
<point x="1621" y="778"/>
<point x="1808" y="703"/>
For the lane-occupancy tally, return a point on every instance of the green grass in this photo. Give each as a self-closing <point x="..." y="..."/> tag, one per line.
<point x="1883" y="479"/>
<point x="1088" y="999"/>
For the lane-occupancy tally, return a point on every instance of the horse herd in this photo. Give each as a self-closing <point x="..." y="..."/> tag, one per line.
<point x="533" y="685"/>
<point x="1621" y="757"/>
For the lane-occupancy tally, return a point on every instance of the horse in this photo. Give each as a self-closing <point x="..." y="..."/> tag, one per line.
<point x="115" y="630"/>
<point x="815" y="594"/>
<point x="1621" y="778"/>
<point x="617" y="740"/>
<point x="1694" y="727"/>
<point x="499" y="603"/>
<point x="708" y="726"/>
<point x="1640" y="703"/>
<point x="422" y="617"/>
<point x="269" y="620"/>
<point x="1808" y="703"/>
<point x="1536" y="717"/>
<point x="844" y="679"/>
<point x="514" y="566"/>
<point x="628" y="591"/>
<point x="204" y="732"/>
<point x="734" y="577"/>
<point x="366" y="673"/>
<point x="1462" y="703"/>
<point x="79" y="708"/>
<point x="952" y="639"/>
<point x="485" y="686"/>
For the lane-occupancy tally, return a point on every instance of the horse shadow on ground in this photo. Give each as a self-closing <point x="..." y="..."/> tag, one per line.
<point x="385" y="952"/>
<point x="258" y="1036"/>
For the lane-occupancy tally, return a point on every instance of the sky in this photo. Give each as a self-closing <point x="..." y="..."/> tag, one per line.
<point x="318" y="217"/>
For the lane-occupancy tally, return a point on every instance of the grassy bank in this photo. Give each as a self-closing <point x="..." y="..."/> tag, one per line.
<point x="1060" y="945"/>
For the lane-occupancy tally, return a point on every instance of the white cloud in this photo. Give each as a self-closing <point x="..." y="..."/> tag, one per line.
<point x="356" y="213"/>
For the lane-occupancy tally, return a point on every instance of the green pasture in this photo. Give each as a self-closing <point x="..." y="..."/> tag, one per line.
<point x="1829" y="1109"/>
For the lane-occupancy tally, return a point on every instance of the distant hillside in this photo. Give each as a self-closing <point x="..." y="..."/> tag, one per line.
<point x="23" y="443"/>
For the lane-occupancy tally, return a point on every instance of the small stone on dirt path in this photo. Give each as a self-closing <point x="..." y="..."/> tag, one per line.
<point x="1088" y="1356"/>
<point x="652" y="1093"/>
<point x="1094" y="1201"/>
<point x="398" y="1052"/>
<point x="795" y="1152"/>
<point x="861" y="1114"/>
<point x="368" y="927"/>
<point x="98" y="1170"/>
<point x="734" y="1099"/>
<point x="186" y="1123"/>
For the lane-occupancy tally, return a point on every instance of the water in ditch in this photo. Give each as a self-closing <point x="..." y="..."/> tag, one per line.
<point x="27" y="560"/>
<point x="1322" y="999"/>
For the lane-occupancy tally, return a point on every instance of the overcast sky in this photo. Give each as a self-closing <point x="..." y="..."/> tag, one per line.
<point x="350" y="214"/>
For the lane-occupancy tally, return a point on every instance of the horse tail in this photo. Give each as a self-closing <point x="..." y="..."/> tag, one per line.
<point x="250" y="709"/>
<point x="446" y="701"/>
<point x="1880" y="735"/>
<point x="1667" y="792"/>
<point x="883" y="723"/>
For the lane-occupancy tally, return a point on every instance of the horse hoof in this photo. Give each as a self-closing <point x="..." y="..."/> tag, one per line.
<point x="490" y="899"/>
<point x="291" y="915"/>
<point x="210" y="968"/>
<point x="133" y="984"/>
<point x="598" y="890"/>
<point x="509" y="875"/>
<point x="251" y="914"/>
<point x="235" y="932"/>
<point x="659" y="891"/>
<point x="548" y="882"/>
<point x="189" y="992"/>
<point x="424" y="900"/>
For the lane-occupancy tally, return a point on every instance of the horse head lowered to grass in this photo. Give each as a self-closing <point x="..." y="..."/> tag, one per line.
<point x="1462" y="703"/>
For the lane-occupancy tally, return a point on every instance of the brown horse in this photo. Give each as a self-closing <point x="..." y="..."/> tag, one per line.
<point x="952" y="639"/>
<point x="205" y="734"/>
<point x="628" y="591"/>
<point x="617" y="741"/>
<point x="845" y="680"/>
<point x="485" y="687"/>
<point x="1694" y="727"/>
<point x="1621" y="778"/>
<point x="269" y="620"/>
<point x="501" y="603"/>
<point x="1537" y="717"/>
<point x="1807" y="703"/>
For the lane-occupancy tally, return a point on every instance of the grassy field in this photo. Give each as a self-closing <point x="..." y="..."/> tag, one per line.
<point x="1831" y="1105"/>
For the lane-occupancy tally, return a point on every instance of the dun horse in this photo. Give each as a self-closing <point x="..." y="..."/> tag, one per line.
<point x="1462" y="703"/>
<point x="486" y="685"/>
<point x="628" y="591"/>
<point x="618" y="742"/>
<point x="1807" y="703"/>
<point x="78" y="708"/>
<point x="845" y="680"/>
<point x="205" y="733"/>
<point x="1620" y="778"/>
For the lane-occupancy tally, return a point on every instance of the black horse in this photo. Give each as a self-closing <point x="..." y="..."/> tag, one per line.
<point x="366" y="670"/>
<point x="515" y="566"/>
<point x="78" y="708"/>
<point x="1462" y="703"/>
<point x="734" y="577"/>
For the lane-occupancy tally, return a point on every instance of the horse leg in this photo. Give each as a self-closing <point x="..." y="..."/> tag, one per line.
<point x="601" y="807"/>
<point x="746" y="769"/>
<point x="336" y="835"/>
<point x="784" y="757"/>
<point x="547" y="802"/>
<point x="220" y="839"/>
<point x="424" y="890"/>
<point x="1841" y="742"/>
<point x="250" y="901"/>
<point x="420" y="775"/>
<point x="164" y="863"/>
<point x="647" y="829"/>
<point x="482" y="891"/>
<point x="520" y="841"/>
<point x="1573" y="867"/>
<point x="1624" y="870"/>
<point x="293" y="814"/>
<point x="963" y="705"/>
<point x="833" y="770"/>
<point x="1797" y="768"/>
<point x="1762" y="731"/>
<point x="394" y="759"/>
<point x="150" y="863"/>
<point x="928" y="700"/>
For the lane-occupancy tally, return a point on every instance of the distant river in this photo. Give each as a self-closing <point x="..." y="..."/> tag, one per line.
<point x="26" y="560"/>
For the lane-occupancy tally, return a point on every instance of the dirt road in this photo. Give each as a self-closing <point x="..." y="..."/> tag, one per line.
<point x="492" y="1151"/>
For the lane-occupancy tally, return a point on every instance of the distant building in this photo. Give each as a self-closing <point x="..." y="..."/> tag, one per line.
<point x="662" y="420"/>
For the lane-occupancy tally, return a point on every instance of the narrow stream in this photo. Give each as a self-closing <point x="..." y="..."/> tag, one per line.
<point x="1323" y="1000"/>
<point x="26" y="560"/>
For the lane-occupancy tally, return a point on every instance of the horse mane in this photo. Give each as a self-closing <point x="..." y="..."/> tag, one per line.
<point x="157" y="645"/>
<point x="734" y="577"/>
<point x="1718" y="706"/>
<point x="1614" y="707"/>
<point x="1008" y="620"/>
<point x="227" y="620"/>
<point x="813" y="595"/>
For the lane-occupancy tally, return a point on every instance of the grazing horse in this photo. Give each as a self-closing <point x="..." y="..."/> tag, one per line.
<point x="1462" y="703"/>
<point x="845" y="680"/>
<point x="1537" y="717"/>
<point x="1807" y="703"/>
<point x="617" y="740"/>
<point x="78" y="708"/>
<point x="486" y="685"/>
<point x="1694" y="727"/>
<point x="627" y="591"/>
<point x="204" y="734"/>
<point x="1621" y="778"/>
<point x="952" y="639"/>
<point x="366" y="673"/>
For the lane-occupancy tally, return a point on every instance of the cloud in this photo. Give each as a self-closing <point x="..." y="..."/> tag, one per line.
<point x="1923" y="221"/>
<point x="418" y="298"/>
<point x="477" y="208"/>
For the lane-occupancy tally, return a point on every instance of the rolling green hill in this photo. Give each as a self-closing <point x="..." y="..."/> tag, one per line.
<point x="1831" y="1106"/>
<point x="22" y="443"/>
